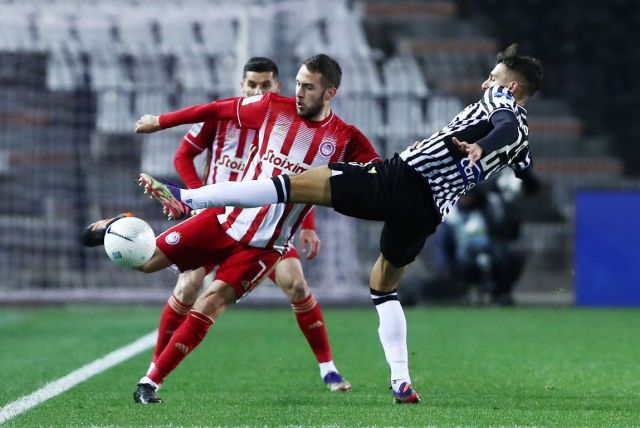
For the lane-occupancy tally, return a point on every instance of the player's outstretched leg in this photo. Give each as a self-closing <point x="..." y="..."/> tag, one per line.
<point x="167" y="194"/>
<point x="93" y="235"/>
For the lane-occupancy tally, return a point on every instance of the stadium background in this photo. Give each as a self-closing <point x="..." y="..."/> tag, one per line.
<point x="75" y="75"/>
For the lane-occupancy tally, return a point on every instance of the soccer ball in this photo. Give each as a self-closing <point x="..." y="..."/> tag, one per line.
<point x="129" y="242"/>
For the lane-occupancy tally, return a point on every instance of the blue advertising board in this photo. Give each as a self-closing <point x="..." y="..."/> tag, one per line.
<point x="607" y="250"/>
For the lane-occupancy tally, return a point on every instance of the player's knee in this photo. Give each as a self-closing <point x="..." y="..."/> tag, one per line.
<point x="300" y="289"/>
<point x="188" y="287"/>
<point x="399" y="259"/>
<point x="213" y="301"/>
<point x="296" y="289"/>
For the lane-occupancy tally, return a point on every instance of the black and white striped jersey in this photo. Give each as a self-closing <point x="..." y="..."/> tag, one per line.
<point x="447" y="169"/>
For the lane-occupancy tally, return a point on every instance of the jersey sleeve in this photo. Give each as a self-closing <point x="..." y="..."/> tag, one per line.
<point x="225" y="109"/>
<point x="505" y="131"/>
<point x="198" y="139"/>
<point x="251" y="111"/>
<point x="360" y="149"/>
<point x="498" y="98"/>
<point x="309" y="221"/>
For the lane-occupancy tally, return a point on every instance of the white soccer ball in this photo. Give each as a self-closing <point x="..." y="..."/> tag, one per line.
<point x="129" y="242"/>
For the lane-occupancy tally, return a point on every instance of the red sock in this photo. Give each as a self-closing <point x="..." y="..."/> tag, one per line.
<point x="173" y="315"/>
<point x="184" y="340"/>
<point x="311" y="323"/>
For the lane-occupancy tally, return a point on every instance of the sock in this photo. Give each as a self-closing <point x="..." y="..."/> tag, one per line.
<point x="282" y="184"/>
<point x="327" y="367"/>
<point x="175" y="190"/>
<point x="243" y="194"/>
<point x="148" y="381"/>
<point x="173" y="314"/>
<point x="184" y="340"/>
<point x="393" y="335"/>
<point x="311" y="322"/>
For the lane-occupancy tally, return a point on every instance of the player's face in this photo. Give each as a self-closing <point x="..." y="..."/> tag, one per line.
<point x="311" y="97"/>
<point x="499" y="76"/>
<point x="259" y="82"/>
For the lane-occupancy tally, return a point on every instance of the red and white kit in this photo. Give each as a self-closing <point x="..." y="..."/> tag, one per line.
<point x="247" y="243"/>
<point x="226" y="147"/>
<point x="285" y="143"/>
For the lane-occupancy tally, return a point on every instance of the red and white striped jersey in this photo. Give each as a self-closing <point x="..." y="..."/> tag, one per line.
<point x="285" y="144"/>
<point x="226" y="146"/>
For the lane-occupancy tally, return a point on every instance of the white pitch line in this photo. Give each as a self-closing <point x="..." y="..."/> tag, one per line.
<point x="59" y="386"/>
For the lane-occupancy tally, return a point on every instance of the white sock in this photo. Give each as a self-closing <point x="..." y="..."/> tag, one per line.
<point x="393" y="336"/>
<point x="326" y="368"/>
<point x="243" y="194"/>
<point x="145" y="379"/>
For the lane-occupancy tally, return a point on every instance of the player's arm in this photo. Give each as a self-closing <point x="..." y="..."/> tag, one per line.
<point x="245" y="112"/>
<point x="216" y="110"/>
<point x="309" y="221"/>
<point x="183" y="161"/>
<point x="308" y="236"/>
<point x="523" y="168"/>
<point x="445" y="249"/>
<point x="504" y="132"/>
<point x="194" y="142"/>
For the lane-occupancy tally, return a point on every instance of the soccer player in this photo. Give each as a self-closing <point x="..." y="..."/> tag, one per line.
<point x="293" y="135"/>
<point x="227" y="148"/>
<point x="411" y="192"/>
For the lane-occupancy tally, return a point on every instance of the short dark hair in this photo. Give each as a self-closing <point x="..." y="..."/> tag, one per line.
<point x="528" y="67"/>
<point x="328" y="67"/>
<point x="260" y="64"/>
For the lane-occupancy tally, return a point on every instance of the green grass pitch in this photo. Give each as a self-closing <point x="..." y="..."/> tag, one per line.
<point x="559" y="367"/>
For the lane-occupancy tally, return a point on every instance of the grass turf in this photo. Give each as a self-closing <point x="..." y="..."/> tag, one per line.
<point x="473" y="367"/>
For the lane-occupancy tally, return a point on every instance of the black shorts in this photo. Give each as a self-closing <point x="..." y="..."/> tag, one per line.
<point x="393" y="192"/>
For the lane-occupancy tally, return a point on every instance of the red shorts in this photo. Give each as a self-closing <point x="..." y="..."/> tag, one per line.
<point x="201" y="241"/>
<point x="291" y="253"/>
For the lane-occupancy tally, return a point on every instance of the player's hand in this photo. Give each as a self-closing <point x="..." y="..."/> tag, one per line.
<point x="310" y="243"/>
<point x="473" y="151"/>
<point x="147" y="124"/>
